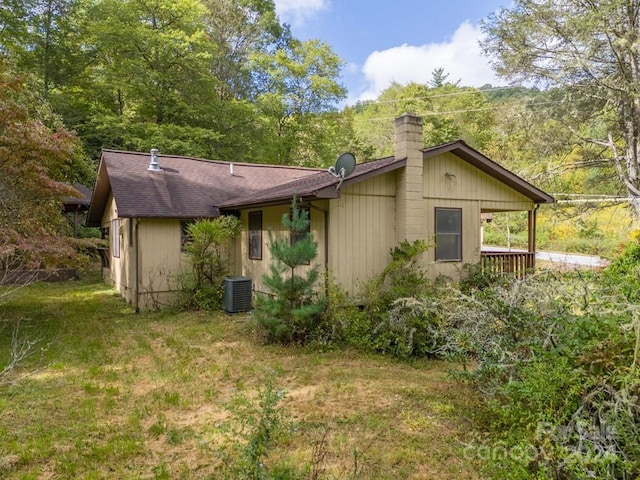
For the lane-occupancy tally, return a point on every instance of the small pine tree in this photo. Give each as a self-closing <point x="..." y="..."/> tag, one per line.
<point x="291" y="312"/>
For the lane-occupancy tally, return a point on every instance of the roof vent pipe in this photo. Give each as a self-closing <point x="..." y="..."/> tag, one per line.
<point x="154" y="166"/>
<point x="231" y="169"/>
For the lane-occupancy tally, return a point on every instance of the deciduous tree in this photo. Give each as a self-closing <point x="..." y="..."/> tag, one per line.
<point x="35" y="162"/>
<point x="589" y="48"/>
<point x="209" y="78"/>
<point x="297" y="93"/>
<point x="449" y="112"/>
<point x="44" y="38"/>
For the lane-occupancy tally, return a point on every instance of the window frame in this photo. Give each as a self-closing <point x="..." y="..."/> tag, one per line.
<point x="439" y="257"/>
<point x="253" y="234"/>
<point x="115" y="238"/>
<point x="184" y="235"/>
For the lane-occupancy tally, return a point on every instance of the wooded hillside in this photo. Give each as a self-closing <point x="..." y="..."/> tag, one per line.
<point x="226" y="79"/>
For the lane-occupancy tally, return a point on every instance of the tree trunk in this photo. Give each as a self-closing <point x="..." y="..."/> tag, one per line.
<point x="635" y="207"/>
<point x="46" y="51"/>
<point x="628" y="166"/>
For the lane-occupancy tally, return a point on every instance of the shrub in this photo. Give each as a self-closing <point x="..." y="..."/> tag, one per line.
<point x="404" y="277"/>
<point x="625" y="271"/>
<point x="209" y="249"/>
<point x="475" y="278"/>
<point x="410" y="328"/>
<point x="556" y="356"/>
<point x="333" y="326"/>
<point x="395" y="319"/>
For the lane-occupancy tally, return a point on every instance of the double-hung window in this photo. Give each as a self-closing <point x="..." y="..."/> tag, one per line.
<point x="449" y="234"/>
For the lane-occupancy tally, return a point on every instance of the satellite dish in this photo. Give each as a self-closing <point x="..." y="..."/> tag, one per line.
<point x="345" y="164"/>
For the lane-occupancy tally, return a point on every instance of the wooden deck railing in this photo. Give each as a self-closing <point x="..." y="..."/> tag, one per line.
<point x="511" y="263"/>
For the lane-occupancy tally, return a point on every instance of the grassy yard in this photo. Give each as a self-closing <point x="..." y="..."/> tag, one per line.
<point x="113" y="394"/>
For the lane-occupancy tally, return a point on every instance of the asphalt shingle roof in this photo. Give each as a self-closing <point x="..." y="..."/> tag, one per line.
<point x="312" y="185"/>
<point x="185" y="188"/>
<point x="196" y="188"/>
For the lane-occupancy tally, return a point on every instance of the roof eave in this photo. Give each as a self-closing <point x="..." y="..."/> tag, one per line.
<point x="327" y="192"/>
<point x="283" y="200"/>
<point x="213" y="213"/>
<point x="99" y="197"/>
<point x="395" y="165"/>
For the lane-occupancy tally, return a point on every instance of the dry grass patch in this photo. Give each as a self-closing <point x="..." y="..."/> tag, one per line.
<point x="121" y="395"/>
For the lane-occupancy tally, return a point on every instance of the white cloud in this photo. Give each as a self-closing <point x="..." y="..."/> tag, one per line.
<point x="297" y="12"/>
<point x="461" y="57"/>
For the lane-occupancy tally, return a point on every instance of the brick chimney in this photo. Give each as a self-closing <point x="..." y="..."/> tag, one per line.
<point x="410" y="215"/>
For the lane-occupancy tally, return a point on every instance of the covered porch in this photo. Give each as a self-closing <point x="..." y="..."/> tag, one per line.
<point x="505" y="260"/>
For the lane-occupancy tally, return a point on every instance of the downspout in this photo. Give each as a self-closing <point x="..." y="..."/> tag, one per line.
<point x="136" y="302"/>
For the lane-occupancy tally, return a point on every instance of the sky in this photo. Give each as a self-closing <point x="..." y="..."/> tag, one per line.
<point x="399" y="40"/>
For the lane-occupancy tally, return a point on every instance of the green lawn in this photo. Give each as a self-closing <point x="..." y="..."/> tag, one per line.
<point x="113" y="394"/>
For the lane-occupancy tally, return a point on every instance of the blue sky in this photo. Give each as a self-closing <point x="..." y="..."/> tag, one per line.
<point x="401" y="40"/>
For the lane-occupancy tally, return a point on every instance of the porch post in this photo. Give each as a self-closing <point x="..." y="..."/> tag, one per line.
<point x="532" y="235"/>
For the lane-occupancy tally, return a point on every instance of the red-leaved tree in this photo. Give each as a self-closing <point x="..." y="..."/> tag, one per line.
<point x="36" y="153"/>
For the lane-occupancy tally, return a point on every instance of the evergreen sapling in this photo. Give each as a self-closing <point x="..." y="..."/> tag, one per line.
<point x="290" y="313"/>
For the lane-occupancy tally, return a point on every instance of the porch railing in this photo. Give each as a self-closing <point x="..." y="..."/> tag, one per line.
<point x="508" y="263"/>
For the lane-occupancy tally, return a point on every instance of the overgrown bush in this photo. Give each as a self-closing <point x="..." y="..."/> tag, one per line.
<point x="410" y="328"/>
<point x="208" y="248"/>
<point x="398" y="316"/>
<point x="474" y="277"/>
<point x="404" y="277"/>
<point x="337" y="317"/>
<point x="625" y="270"/>
<point x="556" y="355"/>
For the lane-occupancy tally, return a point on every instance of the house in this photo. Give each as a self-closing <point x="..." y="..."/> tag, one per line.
<point x="436" y="194"/>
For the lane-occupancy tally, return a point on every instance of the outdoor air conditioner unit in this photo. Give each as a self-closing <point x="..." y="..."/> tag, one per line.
<point x="237" y="294"/>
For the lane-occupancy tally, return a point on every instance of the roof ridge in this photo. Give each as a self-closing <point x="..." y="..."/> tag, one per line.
<point x="220" y="162"/>
<point x="324" y="170"/>
<point x="446" y="144"/>
<point x="376" y="159"/>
